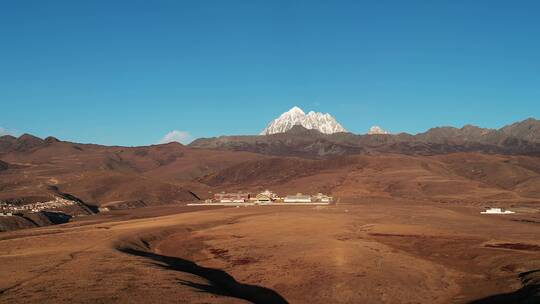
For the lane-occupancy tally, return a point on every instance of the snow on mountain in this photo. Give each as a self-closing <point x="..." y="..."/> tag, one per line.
<point x="324" y="123"/>
<point x="285" y="121"/>
<point x="376" y="130"/>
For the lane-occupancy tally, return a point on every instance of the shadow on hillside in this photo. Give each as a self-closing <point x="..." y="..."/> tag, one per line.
<point x="219" y="281"/>
<point x="528" y="294"/>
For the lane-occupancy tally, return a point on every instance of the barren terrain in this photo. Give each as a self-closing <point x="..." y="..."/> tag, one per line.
<point x="403" y="229"/>
<point x="361" y="251"/>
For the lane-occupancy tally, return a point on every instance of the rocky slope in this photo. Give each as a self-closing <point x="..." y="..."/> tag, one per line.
<point x="32" y="220"/>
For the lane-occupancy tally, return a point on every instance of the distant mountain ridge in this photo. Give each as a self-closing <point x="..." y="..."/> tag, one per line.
<point x="528" y="129"/>
<point x="518" y="138"/>
<point x="323" y="123"/>
<point x="22" y="143"/>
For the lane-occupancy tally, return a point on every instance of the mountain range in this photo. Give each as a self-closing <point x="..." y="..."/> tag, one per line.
<point x="294" y="139"/>
<point x="518" y="138"/>
<point x="34" y="169"/>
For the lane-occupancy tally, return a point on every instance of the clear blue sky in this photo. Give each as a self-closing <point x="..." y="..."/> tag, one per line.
<point x="128" y="72"/>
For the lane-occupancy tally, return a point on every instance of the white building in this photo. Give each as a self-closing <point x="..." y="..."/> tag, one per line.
<point x="232" y="197"/>
<point x="496" y="211"/>
<point x="319" y="197"/>
<point x="298" y="198"/>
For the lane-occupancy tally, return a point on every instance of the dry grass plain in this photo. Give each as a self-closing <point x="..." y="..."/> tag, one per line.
<point x="358" y="251"/>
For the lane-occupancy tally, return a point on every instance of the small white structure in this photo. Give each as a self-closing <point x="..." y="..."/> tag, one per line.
<point x="496" y="211"/>
<point x="298" y="198"/>
<point x="319" y="197"/>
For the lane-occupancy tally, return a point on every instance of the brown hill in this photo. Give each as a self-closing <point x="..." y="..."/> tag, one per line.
<point x="6" y="142"/>
<point x="26" y="142"/>
<point x="528" y="129"/>
<point x="296" y="142"/>
<point x="467" y="177"/>
<point x="444" y="134"/>
<point x="101" y="175"/>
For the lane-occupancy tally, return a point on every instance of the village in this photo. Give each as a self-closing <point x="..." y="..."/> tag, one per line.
<point x="266" y="197"/>
<point x="9" y="209"/>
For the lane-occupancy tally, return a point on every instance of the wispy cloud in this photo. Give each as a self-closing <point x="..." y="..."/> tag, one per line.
<point x="4" y="131"/>
<point x="176" y="135"/>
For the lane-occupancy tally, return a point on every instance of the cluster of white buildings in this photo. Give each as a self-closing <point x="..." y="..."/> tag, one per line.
<point x="268" y="197"/>
<point x="8" y="209"/>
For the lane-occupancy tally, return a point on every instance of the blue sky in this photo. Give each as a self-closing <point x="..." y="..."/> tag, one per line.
<point x="129" y="72"/>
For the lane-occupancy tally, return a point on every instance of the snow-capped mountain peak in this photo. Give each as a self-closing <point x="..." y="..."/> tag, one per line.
<point x="295" y="110"/>
<point x="294" y="115"/>
<point x="324" y="123"/>
<point x="376" y="130"/>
